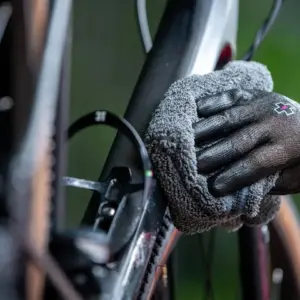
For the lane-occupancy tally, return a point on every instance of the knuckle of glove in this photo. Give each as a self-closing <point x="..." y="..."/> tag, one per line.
<point x="284" y="128"/>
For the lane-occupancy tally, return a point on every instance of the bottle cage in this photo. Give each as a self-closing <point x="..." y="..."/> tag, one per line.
<point x="118" y="184"/>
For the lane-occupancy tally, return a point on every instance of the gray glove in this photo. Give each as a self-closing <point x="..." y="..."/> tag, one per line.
<point x="260" y="137"/>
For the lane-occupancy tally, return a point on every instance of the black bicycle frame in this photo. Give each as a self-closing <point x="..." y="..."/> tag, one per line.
<point x="179" y="32"/>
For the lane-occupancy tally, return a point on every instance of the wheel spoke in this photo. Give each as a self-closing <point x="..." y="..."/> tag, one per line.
<point x="207" y="260"/>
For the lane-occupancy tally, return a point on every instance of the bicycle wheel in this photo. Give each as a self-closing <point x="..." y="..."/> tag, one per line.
<point x="285" y="248"/>
<point x="32" y="84"/>
<point x="30" y="167"/>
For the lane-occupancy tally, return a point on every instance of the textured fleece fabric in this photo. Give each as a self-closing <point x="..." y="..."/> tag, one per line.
<point x="171" y="145"/>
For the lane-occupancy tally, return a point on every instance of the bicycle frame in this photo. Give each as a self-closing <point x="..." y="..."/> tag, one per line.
<point x="189" y="40"/>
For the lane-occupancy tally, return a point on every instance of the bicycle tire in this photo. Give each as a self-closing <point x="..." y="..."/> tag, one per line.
<point x="37" y="80"/>
<point x="285" y="248"/>
<point x="36" y="177"/>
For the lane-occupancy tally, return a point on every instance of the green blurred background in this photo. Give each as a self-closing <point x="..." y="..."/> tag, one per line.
<point x="107" y="59"/>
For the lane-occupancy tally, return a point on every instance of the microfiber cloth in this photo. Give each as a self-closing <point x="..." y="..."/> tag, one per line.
<point x="170" y="142"/>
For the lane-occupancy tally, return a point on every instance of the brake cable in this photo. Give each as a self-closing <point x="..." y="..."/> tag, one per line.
<point x="259" y="37"/>
<point x="263" y="30"/>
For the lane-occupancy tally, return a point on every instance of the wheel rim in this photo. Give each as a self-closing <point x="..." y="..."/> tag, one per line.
<point x="284" y="232"/>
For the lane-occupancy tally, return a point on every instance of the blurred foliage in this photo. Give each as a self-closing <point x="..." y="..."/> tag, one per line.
<point x="107" y="59"/>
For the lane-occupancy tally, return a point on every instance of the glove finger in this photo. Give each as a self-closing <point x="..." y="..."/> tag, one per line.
<point x="210" y="105"/>
<point x="231" y="148"/>
<point x="256" y="165"/>
<point x="214" y="104"/>
<point x="225" y="122"/>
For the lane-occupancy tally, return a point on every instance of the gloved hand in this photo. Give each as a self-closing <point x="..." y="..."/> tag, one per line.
<point x="258" y="136"/>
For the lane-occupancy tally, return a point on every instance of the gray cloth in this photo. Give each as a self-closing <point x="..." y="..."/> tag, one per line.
<point x="170" y="142"/>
